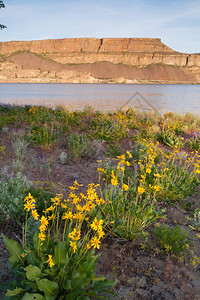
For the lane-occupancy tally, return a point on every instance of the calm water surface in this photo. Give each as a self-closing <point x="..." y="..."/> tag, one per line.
<point x="105" y="97"/>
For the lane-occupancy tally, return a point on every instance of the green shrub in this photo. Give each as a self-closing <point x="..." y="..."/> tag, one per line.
<point x="59" y="261"/>
<point x="45" y="134"/>
<point x="13" y="189"/>
<point x="193" y="143"/>
<point x="110" y="128"/>
<point x="169" y="139"/>
<point x="196" y="219"/>
<point x="79" y="146"/>
<point x="112" y="151"/>
<point x="41" y="196"/>
<point x="172" y="175"/>
<point x="131" y="209"/>
<point x="172" y="240"/>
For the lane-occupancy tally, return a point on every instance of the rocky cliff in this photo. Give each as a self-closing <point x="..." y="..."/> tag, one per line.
<point x="96" y="60"/>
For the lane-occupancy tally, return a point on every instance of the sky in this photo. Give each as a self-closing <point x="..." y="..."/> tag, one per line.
<point x="176" y="22"/>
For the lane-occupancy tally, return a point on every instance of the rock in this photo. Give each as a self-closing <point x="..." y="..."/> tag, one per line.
<point x="87" y="60"/>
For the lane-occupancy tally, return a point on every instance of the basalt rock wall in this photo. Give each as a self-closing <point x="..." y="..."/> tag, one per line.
<point x="128" y="58"/>
<point x="131" y="51"/>
<point x="88" y="60"/>
<point x="86" y="45"/>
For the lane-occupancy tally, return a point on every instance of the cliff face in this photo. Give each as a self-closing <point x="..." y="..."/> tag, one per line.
<point x="57" y="55"/>
<point x="86" y="45"/>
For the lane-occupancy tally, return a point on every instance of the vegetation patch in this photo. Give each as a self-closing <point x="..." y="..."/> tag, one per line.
<point x="94" y="204"/>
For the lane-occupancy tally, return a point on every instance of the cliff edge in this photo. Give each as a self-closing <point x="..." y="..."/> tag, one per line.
<point x="128" y="60"/>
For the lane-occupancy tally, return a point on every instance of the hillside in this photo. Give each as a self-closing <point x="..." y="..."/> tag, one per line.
<point x="88" y="60"/>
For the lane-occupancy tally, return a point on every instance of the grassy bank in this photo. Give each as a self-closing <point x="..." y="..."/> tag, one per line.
<point x="121" y="184"/>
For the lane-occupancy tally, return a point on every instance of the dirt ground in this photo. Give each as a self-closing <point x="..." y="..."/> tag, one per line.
<point x="143" y="273"/>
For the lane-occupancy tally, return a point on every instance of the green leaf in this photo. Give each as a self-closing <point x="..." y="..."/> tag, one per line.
<point x="14" y="292"/>
<point x="29" y="284"/>
<point x="15" y="251"/>
<point x="32" y="259"/>
<point x="35" y="241"/>
<point x="68" y="285"/>
<point x="33" y="273"/>
<point x="50" y="288"/>
<point x="100" y="286"/>
<point x="29" y="296"/>
<point x="60" y="257"/>
<point x="95" y="278"/>
<point x="9" y="284"/>
<point x="73" y="295"/>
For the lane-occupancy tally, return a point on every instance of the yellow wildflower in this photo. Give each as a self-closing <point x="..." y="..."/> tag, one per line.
<point x="44" y="221"/>
<point x="68" y="216"/>
<point x="148" y="170"/>
<point x="95" y="242"/>
<point x="78" y="216"/>
<point x="35" y="214"/>
<point x="129" y="154"/>
<point x="195" y="165"/>
<point x="41" y="236"/>
<point x="50" y="261"/>
<point x="51" y="217"/>
<point x="42" y="228"/>
<point x="79" y="208"/>
<point x="76" y="200"/>
<point x="114" y="180"/>
<point x="97" y="225"/>
<point x="157" y="188"/>
<point x="125" y="187"/>
<point x="56" y="200"/>
<point x="75" y="235"/>
<point x="29" y="205"/>
<point x="83" y="196"/>
<point x="99" y="201"/>
<point x="157" y="175"/>
<point x="63" y="205"/>
<point x="72" y="188"/>
<point x="29" y="198"/>
<point x="88" y="246"/>
<point x="73" y="245"/>
<point x="121" y="157"/>
<point x="120" y="168"/>
<point x="50" y="208"/>
<point x="141" y="190"/>
<point x="72" y="195"/>
<point x="101" y="233"/>
<point x="101" y="170"/>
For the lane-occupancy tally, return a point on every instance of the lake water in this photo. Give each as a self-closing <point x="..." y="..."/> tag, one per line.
<point x="105" y="97"/>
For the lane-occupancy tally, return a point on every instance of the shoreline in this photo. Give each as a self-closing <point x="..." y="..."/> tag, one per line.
<point x="130" y="82"/>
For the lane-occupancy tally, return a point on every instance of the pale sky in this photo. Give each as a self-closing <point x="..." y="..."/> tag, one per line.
<point x="176" y="22"/>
